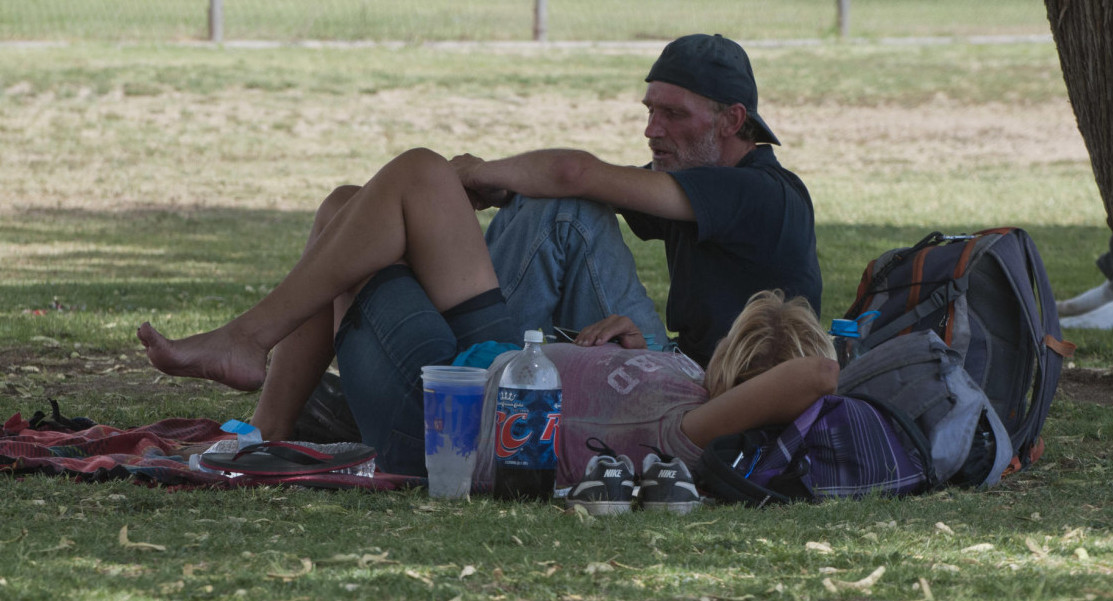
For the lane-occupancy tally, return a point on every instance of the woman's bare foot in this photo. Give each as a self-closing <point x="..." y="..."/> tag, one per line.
<point x="215" y="355"/>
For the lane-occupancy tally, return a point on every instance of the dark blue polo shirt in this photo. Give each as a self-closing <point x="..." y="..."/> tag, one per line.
<point x="754" y="230"/>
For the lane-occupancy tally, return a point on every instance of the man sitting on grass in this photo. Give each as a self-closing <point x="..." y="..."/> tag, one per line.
<point x="732" y="219"/>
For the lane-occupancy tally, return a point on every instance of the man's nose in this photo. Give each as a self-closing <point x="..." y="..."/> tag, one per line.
<point x="653" y="128"/>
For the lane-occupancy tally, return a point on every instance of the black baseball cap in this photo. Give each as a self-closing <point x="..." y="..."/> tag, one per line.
<point x="715" y="67"/>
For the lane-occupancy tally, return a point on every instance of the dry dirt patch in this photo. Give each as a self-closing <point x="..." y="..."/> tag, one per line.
<point x="1087" y="385"/>
<point x="296" y="149"/>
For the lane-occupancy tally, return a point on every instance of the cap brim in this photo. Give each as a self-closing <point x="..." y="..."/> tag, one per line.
<point x="765" y="135"/>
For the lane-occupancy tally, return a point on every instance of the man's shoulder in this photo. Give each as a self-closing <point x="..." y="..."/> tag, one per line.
<point x="759" y="172"/>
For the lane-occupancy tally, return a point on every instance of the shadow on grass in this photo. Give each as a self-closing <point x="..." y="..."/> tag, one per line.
<point x="222" y="259"/>
<point x="144" y="257"/>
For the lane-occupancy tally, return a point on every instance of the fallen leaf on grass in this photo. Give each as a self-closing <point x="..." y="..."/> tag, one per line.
<point x="467" y="571"/>
<point x="63" y="544"/>
<point x="597" y="567"/>
<point x="978" y="548"/>
<point x="1035" y="548"/>
<point x="864" y="585"/>
<point x="924" y="586"/>
<point x="818" y="547"/>
<point x="945" y="529"/>
<point x="22" y="535"/>
<point x="1076" y="534"/>
<point x="581" y="513"/>
<point x="360" y="560"/>
<point x="412" y="574"/>
<point x="306" y="568"/>
<point x="189" y="569"/>
<point x="1081" y="553"/>
<point x="127" y="544"/>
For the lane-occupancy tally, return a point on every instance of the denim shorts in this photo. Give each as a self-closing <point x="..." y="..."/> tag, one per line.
<point x="390" y="332"/>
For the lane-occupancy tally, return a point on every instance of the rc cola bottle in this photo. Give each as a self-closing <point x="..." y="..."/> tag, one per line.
<point x="527" y="431"/>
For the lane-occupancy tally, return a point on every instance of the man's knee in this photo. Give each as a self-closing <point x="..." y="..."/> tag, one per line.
<point x="552" y="210"/>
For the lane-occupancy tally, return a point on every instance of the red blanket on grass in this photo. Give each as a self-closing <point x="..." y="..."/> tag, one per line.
<point x="105" y="453"/>
<point x="149" y="454"/>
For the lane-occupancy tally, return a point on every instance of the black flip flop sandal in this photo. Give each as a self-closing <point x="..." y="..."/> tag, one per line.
<point x="278" y="458"/>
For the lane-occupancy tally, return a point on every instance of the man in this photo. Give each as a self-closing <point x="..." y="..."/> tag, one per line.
<point x="734" y="221"/>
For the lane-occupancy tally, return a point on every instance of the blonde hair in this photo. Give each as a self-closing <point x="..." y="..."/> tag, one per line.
<point x="769" y="331"/>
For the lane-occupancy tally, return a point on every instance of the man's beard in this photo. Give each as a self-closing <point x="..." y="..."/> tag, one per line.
<point x="704" y="152"/>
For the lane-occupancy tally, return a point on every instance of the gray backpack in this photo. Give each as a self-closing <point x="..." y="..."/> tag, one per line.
<point x="919" y="376"/>
<point x="987" y="296"/>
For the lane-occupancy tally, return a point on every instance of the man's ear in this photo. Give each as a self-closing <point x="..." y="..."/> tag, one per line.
<point x="732" y="119"/>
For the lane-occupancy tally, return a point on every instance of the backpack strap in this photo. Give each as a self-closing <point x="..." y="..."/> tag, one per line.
<point x="915" y="435"/>
<point x="867" y="287"/>
<point x="1051" y="349"/>
<point x="939" y="298"/>
<point x="717" y="471"/>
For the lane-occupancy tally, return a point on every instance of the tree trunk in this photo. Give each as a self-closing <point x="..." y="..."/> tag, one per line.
<point x="1083" y="31"/>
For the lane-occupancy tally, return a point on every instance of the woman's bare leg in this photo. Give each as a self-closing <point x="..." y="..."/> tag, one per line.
<point x="300" y="359"/>
<point x="414" y="210"/>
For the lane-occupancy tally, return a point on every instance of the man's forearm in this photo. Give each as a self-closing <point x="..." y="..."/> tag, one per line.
<point x="542" y="173"/>
<point x="558" y="173"/>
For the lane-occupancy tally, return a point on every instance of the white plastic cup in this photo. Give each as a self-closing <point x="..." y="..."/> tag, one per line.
<point x="453" y="407"/>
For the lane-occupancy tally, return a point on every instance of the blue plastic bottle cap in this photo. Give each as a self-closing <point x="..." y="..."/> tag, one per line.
<point x="847" y="328"/>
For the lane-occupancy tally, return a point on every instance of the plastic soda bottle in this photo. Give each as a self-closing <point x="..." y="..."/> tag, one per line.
<point x="846" y="339"/>
<point x="848" y="334"/>
<point x="527" y="431"/>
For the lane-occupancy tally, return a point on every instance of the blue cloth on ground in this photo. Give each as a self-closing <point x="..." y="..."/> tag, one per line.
<point x="482" y="354"/>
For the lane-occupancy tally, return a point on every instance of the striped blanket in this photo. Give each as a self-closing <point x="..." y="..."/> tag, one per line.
<point x="151" y="453"/>
<point x="155" y="454"/>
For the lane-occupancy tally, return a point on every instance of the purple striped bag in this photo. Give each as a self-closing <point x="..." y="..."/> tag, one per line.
<point x="839" y="447"/>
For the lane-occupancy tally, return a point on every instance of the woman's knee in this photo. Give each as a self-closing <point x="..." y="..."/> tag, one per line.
<point x="332" y="204"/>
<point x="421" y="162"/>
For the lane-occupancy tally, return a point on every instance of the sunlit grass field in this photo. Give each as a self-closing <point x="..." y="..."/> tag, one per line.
<point x="175" y="183"/>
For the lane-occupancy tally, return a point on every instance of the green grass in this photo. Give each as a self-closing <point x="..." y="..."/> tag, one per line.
<point x="493" y="20"/>
<point x="175" y="184"/>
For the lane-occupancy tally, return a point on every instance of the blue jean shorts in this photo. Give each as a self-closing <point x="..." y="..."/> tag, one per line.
<point x="390" y="332"/>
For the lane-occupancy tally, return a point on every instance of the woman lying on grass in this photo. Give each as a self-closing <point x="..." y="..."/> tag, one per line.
<point x="396" y="275"/>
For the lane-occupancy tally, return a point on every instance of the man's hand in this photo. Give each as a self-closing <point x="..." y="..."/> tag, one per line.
<point x="612" y="327"/>
<point x="480" y="195"/>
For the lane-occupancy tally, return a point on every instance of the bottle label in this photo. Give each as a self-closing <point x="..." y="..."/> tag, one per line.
<point x="527" y="433"/>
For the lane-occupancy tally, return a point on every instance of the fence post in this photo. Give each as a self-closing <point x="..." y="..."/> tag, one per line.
<point x="844" y="18"/>
<point x="216" y="20"/>
<point x="540" y="20"/>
